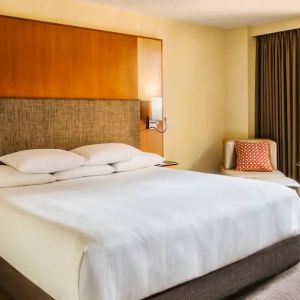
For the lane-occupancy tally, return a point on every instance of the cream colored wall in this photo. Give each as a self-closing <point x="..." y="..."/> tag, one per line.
<point x="275" y="26"/>
<point x="251" y="85"/>
<point x="240" y="82"/>
<point x="240" y="75"/>
<point x="255" y="31"/>
<point x="208" y="75"/>
<point x="236" y="82"/>
<point x="193" y="61"/>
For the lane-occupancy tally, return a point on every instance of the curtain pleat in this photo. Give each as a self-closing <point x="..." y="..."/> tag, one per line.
<point x="278" y="96"/>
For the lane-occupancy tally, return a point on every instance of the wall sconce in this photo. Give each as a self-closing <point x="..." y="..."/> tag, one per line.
<point x="156" y="115"/>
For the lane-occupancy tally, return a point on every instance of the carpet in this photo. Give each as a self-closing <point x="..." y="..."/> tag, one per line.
<point x="285" y="286"/>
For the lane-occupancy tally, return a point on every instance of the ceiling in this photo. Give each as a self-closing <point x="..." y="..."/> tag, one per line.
<point x="220" y="13"/>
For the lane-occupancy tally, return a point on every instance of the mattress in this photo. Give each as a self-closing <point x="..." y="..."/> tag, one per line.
<point x="133" y="234"/>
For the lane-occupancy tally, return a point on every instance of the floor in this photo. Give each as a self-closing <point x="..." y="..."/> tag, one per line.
<point x="285" y="286"/>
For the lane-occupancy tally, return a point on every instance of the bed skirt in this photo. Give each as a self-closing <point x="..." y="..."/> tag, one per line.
<point x="219" y="284"/>
<point x="233" y="278"/>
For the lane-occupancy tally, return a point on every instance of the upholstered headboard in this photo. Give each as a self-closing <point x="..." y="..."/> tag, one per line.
<point x="66" y="123"/>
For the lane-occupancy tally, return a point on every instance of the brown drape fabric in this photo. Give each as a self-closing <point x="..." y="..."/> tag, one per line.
<point x="278" y="96"/>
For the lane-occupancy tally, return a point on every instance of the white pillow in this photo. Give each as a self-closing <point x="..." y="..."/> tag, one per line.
<point x="43" y="160"/>
<point x="102" y="154"/>
<point x="84" y="171"/>
<point x="143" y="160"/>
<point x="10" y="177"/>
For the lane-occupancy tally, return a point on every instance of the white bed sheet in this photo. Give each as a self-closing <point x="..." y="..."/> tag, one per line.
<point x="129" y="235"/>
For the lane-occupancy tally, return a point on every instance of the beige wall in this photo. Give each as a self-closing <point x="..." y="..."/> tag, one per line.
<point x="208" y="76"/>
<point x="240" y="82"/>
<point x="236" y="82"/>
<point x="259" y="30"/>
<point x="254" y="31"/>
<point x="275" y="26"/>
<point x="240" y="75"/>
<point x="193" y="72"/>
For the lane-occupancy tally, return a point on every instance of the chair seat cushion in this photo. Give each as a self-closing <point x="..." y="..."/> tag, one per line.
<point x="286" y="181"/>
<point x="274" y="176"/>
<point x="250" y="174"/>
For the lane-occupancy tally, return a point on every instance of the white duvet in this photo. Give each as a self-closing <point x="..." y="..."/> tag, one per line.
<point x="130" y="235"/>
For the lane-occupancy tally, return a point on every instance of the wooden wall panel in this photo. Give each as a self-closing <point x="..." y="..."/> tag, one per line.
<point x="150" y="68"/>
<point x="44" y="60"/>
<point x="149" y="85"/>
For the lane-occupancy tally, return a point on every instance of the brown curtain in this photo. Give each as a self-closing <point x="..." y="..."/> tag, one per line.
<point x="278" y="96"/>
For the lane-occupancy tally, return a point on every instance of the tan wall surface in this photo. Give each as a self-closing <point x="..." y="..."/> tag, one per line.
<point x="236" y="82"/>
<point x="275" y="26"/>
<point x="208" y="73"/>
<point x="193" y="62"/>
<point x="240" y="74"/>
<point x="254" y="31"/>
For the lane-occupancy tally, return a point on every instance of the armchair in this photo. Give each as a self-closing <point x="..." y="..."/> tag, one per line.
<point x="229" y="164"/>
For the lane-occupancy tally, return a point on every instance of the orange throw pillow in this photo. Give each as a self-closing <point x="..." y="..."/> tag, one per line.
<point x="253" y="156"/>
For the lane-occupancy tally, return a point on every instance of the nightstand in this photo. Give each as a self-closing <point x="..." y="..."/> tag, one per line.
<point x="168" y="163"/>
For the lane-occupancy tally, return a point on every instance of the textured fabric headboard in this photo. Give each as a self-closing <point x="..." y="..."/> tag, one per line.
<point x="66" y="123"/>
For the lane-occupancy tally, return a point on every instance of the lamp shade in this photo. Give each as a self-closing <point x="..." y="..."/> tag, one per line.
<point x="156" y="109"/>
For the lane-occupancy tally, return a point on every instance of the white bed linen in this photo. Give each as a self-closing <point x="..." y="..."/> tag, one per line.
<point x="129" y="235"/>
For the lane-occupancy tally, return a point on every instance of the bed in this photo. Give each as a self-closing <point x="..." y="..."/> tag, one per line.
<point x="153" y="233"/>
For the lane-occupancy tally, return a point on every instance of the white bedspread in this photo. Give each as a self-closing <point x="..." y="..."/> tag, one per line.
<point x="130" y="235"/>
